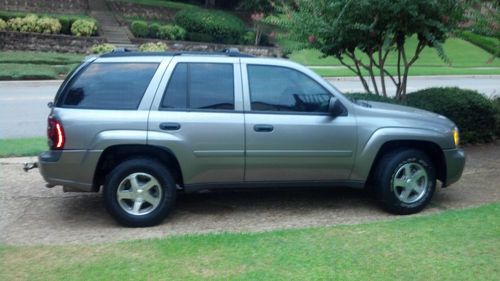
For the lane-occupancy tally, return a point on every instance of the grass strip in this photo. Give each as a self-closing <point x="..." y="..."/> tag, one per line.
<point x="50" y="58"/>
<point x="22" y="147"/>
<point x="451" y="245"/>
<point x="28" y="71"/>
<point x="414" y="71"/>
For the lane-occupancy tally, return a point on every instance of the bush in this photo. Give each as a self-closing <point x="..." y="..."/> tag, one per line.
<point x="26" y="24"/>
<point x="139" y="28"/>
<point x="472" y="112"/>
<point x="102" y="48"/>
<point x="3" y="25"/>
<point x="496" y="104"/>
<point x="490" y="44"/>
<point x="171" y="32"/>
<point x="49" y="25"/>
<point x="153" y="30"/>
<point x="248" y="38"/>
<point x="153" y="47"/>
<point x="82" y="27"/>
<point x="221" y="26"/>
<point x="200" y="37"/>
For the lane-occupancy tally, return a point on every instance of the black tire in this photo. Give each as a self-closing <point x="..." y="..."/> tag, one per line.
<point x="166" y="197"/>
<point x="390" y="168"/>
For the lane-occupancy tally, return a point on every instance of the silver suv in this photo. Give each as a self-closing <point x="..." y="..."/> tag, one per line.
<point x="144" y="126"/>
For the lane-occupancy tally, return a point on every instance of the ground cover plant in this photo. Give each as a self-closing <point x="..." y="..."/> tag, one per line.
<point x="22" y="147"/>
<point x="450" y="245"/>
<point x="66" y="21"/>
<point x="20" y="65"/>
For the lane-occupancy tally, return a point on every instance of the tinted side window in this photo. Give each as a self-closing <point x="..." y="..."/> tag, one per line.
<point x="274" y="88"/>
<point x="200" y="86"/>
<point x="110" y="86"/>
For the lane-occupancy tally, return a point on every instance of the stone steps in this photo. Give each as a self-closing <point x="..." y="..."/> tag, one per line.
<point x="109" y="27"/>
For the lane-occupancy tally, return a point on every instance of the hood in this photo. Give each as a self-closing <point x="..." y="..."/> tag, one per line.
<point x="409" y="112"/>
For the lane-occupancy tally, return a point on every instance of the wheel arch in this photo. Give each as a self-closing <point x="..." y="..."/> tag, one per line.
<point x="116" y="154"/>
<point x="432" y="149"/>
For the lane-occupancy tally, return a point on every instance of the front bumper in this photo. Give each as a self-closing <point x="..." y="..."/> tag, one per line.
<point x="73" y="169"/>
<point x="455" y="163"/>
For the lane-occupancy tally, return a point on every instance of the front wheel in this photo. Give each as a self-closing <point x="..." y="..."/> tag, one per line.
<point x="139" y="192"/>
<point x="405" y="181"/>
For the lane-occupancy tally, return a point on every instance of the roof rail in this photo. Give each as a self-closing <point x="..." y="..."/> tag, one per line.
<point x="122" y="52"/>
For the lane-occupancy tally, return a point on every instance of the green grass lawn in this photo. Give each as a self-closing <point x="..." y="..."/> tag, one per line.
<point x="414" y="71"/>
<point x="452" y="245"/>
<point x="50" y="58"/>
<point x="19" y="65"/>
<point x="22" y="147"/>
<point x="461" y="53"/>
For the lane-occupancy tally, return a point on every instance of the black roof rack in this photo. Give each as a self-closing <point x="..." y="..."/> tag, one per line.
<point x="122" y="52"/>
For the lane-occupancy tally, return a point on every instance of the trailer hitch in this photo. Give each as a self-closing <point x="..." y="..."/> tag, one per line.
<point x="29" y="165"/>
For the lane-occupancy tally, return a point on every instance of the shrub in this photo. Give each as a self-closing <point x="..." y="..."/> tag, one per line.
<point x="29" y="23"/>
<point x="248" y="38"/>
<point x="49" y="25"/>
<point x="153" y="47"/>
<point x="83" y="27"/>
<point x="139" y="28"/>
<point x="102" y="48"/>
<point x="490" y="44"/>
<point x="473" y="113"/>
<point x="496" y="104"/>
<point x="221" y="26"/>
<point x="171" y="32"/>
<point x="3" y="25"/>
<point x="200" y="37"/>
<point x="153" y="30"/>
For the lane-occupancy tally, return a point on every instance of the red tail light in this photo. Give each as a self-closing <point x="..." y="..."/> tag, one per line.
<point x="55" y="133"/>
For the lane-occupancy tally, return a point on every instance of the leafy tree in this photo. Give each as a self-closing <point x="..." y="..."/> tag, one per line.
<point x="363" y="33"/>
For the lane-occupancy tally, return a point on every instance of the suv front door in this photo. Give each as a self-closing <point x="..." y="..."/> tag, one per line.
<point x="197" y="114"/>
<point x="290" y="135"/>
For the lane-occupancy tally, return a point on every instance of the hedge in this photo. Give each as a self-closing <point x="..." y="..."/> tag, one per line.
<point x="139" y="28"/>
<point x="475" y="115"/>
<point x="66" y="21"/>
<point x="222" y="27"/>
<point x="490" y="44"/>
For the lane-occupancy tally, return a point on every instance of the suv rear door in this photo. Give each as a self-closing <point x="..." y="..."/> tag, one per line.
<point x="290" y="135"/>
<point x="198" y="115"/>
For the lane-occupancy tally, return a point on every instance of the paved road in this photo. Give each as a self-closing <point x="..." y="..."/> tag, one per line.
<point x="32" y="214"/>
<point x="23" y="110"/>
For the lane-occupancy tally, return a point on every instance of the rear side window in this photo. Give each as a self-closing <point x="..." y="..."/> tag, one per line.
<point x="202" y="86"/>
<point x="109" y="86"/>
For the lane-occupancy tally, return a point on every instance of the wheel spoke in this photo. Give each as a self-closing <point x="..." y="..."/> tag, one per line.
<point x="125" y="194"/>
<point x="405" y="194"/>
<point x="137" y="206"/>
<point x="151" y="183"/>
<point x="399" y="182"/>
<point x="151" y="199"/>
<point x="419" y="174"/>
<point x="407" y="168"/>
<point x="133" y="182"/>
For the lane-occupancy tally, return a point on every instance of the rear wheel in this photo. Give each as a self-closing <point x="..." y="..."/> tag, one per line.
<point x="405" y="181"/>
<point x="139" y="192"/>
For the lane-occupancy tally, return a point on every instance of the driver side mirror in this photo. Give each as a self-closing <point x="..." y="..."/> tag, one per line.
<point x="335" y="107"/>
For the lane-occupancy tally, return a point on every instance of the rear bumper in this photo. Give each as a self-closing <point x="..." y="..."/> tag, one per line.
<point x="73" y="169"/>
<point x="455" y="163"/>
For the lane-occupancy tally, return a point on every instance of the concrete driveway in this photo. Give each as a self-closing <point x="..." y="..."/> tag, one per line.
<point x="23" y="104"/>
<point x="32" y="214"/>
